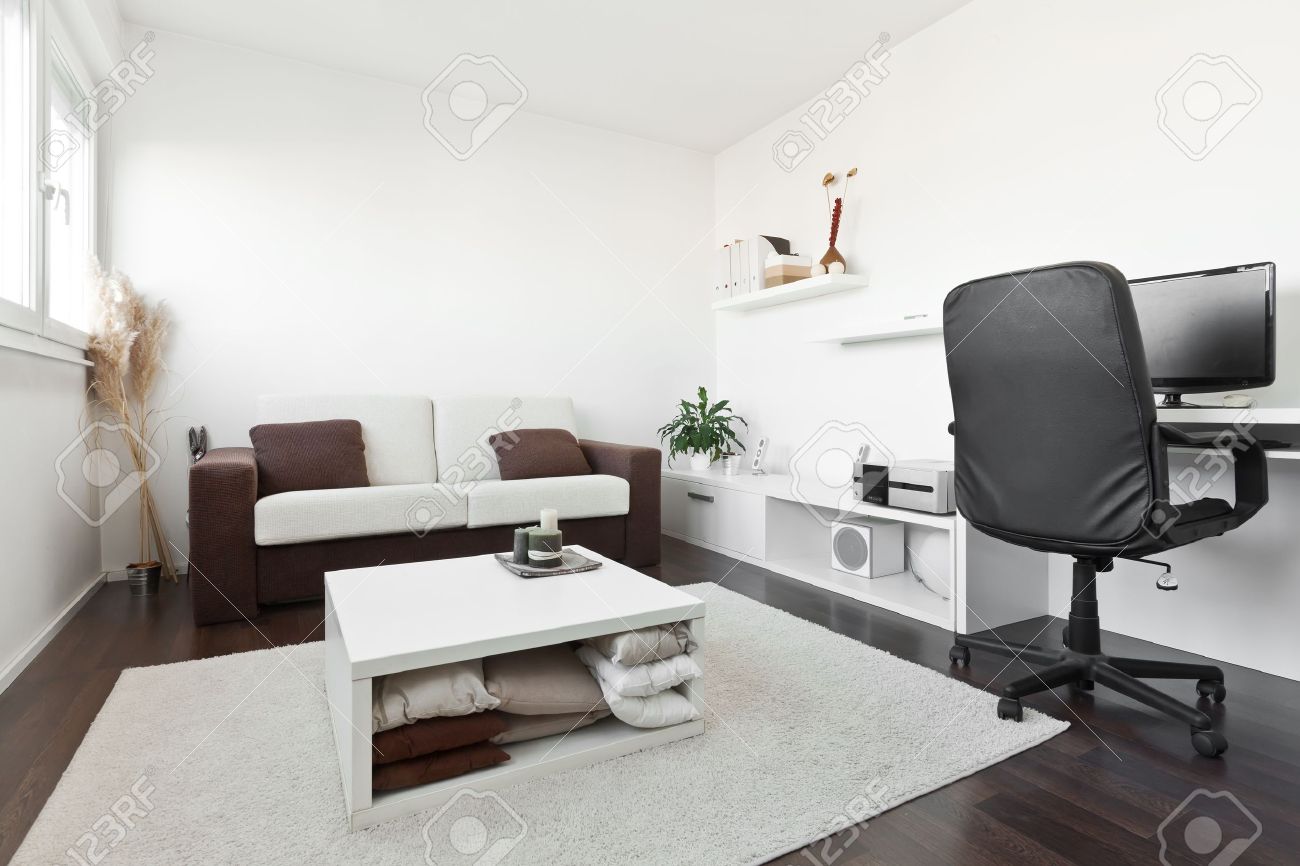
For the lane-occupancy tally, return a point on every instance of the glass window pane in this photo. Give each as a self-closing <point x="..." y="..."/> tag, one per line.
<point x="15" y="200"/>
<point x="70" y="195"/>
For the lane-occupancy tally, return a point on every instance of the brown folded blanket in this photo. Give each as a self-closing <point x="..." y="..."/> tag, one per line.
<point x="435" y="735"/>
<point x="435" y="767"/>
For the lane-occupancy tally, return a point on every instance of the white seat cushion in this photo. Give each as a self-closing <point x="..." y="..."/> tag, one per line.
<point x="351" y="512"/>
<point x="463" y="425"/>
<point x="501" y="503"/>
<point x="397" y="429"/>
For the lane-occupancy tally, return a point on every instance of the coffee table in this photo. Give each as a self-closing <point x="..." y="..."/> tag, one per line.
<point x="393" y="618"/>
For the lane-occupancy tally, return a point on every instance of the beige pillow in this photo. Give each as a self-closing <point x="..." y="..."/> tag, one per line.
<point x="456" y="689"/>
<point x="645" y="644"/>
<point x="522" y="728"/>
<point x="542" y="681"/>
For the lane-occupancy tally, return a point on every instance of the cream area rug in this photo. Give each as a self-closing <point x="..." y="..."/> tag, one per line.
<point x="232" y="760"/>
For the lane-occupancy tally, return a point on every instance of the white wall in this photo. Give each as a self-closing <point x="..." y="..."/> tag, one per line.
<point x="51" y="556"/>
<point x="1012" y="134"/>
<point x="308" y="234"/>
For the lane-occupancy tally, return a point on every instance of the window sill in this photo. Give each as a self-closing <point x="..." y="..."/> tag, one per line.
<point x="34" y="344"/>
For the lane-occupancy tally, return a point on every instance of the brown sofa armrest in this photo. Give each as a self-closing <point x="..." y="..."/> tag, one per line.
<point x="223" y="552"/>
<point x="640" y="466"/>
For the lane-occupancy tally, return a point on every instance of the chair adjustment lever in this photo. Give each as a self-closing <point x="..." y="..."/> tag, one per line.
<point x="1166" y="581"/>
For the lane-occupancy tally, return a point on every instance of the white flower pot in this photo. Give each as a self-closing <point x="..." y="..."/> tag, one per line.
<point x="700" y="462"/>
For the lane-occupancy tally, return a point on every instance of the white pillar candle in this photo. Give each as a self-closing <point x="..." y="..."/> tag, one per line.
<point x="550" y="518"/>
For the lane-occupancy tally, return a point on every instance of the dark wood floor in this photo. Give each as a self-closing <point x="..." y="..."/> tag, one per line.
<point x="1096" y="794"/>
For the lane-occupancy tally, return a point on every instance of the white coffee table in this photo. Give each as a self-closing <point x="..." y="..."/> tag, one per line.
<point x="400" y="617"/>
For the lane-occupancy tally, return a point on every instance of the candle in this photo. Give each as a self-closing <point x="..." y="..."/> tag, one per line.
<point x="550" y="519"/>
<point x="545" y="547"/>
<point x="521" y="545"/>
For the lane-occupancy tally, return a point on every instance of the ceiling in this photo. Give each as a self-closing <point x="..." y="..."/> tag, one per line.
<point x="696" y="74"/>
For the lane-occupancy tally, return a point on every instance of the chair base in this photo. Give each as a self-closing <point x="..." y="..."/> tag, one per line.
<point x="1081" y="664"/>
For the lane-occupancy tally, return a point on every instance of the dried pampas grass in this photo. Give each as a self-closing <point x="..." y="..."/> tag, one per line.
<point x="126" y="349"/>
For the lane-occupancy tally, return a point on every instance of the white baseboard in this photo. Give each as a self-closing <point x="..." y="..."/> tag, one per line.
<point x="38" y="643"/>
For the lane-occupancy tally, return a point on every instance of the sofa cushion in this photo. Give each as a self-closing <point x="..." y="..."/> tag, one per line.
<point x="436" y="767"/>
<point x="543" y="681"/>
<point x="318" y="515"/>
<point x="462" y="427"/>
<point x="436" y="735"/>
<point x="397" y="429"/>
<point x="501" y="503"/>
<point x="544" y="453"/>
<point x="309" y="455"/>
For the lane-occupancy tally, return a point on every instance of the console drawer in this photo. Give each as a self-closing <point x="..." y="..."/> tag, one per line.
<point x="731" y="519"/>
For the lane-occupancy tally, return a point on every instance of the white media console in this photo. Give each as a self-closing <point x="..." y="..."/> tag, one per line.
<point x="761" y="519"/>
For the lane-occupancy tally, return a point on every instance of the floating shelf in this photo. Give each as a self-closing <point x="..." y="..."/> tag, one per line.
<point x="920" y="325"/>
<point x="813" y="287"/>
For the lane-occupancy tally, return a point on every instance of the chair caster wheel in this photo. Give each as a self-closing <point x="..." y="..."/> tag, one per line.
<point x="959" y="655"/>
<point x="1010" y="708"/>
<point x="1084" y="685"/>
<point x="1065" y="637"/>
<point x="1211" y="744"/>
<point x="1212" y="688"/>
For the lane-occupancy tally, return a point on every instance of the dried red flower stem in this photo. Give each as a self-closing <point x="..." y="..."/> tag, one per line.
<point x="835" y="219"/>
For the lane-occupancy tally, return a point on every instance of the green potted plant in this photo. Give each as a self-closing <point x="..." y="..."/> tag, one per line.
<point x="702" y="430"/>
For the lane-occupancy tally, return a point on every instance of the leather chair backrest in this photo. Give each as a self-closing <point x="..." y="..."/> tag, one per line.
<point x="1055" y="415"/>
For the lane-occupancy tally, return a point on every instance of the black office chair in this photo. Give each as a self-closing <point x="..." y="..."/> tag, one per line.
<point x="1058" y="449"/>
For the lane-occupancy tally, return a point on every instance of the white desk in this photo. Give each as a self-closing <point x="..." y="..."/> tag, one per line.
<point x="1227" y="417"/>
<point x="1224" y="415"/>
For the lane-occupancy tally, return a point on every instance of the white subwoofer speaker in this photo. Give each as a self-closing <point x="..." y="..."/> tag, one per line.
<point x="867" y="548"/>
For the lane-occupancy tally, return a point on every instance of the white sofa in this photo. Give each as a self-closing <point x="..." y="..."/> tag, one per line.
<point x="435" y="490"/>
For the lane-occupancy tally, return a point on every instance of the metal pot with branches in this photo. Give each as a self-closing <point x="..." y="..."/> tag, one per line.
<point x="126" y="348"/>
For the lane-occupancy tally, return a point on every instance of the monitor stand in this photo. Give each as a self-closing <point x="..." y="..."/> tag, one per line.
<point x="1175" y="401"/>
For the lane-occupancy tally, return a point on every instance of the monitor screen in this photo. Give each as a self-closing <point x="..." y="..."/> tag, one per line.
<point x="1209" y="330"/>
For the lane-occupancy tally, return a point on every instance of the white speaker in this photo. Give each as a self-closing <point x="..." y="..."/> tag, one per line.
<point x="756" y="467"/>
<point x="867" y="548"/>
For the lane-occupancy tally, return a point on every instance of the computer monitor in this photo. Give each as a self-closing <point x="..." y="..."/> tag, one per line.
<point x="1208" y="331"/>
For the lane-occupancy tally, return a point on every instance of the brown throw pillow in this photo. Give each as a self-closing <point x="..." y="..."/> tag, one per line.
<point x="310" y="455"/>
<point x="539" y="453"/>
<point x="435" y="767"/>
<point x="436" y="735"/>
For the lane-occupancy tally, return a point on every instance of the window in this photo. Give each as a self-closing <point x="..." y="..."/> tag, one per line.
<point x="18" y="305"/>
<point x="67" y="157"/>
<point x="47" y="164"/>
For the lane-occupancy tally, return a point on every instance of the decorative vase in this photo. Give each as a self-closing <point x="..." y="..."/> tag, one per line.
<point x="730" y="464"/>
<point x="831" y="259"/>
<point x="700" y="461"/>
<point x="142" y="577"/>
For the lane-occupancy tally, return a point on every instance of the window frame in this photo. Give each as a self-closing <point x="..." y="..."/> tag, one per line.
<point x="47" y="40"/>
